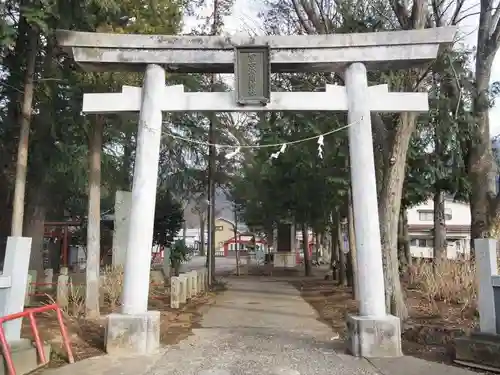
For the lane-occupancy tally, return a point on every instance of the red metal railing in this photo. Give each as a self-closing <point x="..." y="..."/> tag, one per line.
<point x="30" y="313"/>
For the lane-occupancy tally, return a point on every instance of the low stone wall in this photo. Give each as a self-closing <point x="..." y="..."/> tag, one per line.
<point x="186" y="286"/>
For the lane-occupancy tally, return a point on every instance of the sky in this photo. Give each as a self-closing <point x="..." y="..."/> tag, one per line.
<point x="244" y="19"/>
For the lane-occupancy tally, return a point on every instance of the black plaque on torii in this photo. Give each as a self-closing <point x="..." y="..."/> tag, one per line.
<point x="252" y="70"/>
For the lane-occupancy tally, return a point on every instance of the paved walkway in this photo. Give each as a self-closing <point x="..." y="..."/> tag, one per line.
<point x="259" y="326"/>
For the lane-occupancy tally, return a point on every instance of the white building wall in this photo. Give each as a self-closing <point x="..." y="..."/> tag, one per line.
<point x="421" y="241"/>
<point x="460" y="213"/>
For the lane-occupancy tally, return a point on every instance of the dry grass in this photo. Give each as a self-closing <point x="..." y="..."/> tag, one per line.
<point x="448" y="281"/>
<point x="441" y="300"/>
<point x="112" y="285"/>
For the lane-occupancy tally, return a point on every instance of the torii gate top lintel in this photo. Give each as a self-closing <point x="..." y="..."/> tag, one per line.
<point x="289" y="53"/>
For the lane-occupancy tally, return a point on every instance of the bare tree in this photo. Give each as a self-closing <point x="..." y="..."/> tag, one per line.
<point x="484" y="200"/>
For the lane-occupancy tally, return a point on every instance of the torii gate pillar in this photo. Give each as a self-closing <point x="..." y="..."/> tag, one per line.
<point x="140" y="326"/>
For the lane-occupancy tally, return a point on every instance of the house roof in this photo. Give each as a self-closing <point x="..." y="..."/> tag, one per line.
<point x="239" y="228"/>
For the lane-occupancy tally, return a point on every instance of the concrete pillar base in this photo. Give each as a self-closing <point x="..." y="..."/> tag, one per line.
<point x="24" y="356"/>
<point x="136" y="333"/>
<point x="374" y="337"/>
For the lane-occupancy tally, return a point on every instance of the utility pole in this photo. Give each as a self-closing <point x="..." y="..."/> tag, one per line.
<point x="211" y="199"/>
<point x="236" y="241"/>
<point x="212" y="160"/>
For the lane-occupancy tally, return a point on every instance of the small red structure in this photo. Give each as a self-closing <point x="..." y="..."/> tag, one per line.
<point x="59" y="231"/>
<point x="241" y="243"/>
<point x="300" y="255"/>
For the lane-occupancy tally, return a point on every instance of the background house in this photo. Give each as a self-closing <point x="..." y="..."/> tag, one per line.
<point x="224" y="231"/>
<point x="421" y="227"/>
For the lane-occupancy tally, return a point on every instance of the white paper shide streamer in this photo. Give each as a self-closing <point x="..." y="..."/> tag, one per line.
<point x="321" y="144"/>
<point x="275" y="155"/>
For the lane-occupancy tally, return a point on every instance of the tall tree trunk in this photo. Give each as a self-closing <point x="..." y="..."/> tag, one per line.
<point x="94" y="220"/>
<point x="404" y="256"/>
<point x="406" y="237"/>
<point x="335" y="251"/>
<point x="269" y="235"/>
<point x="484" y="209"/>
<point x="305" y="249"/>
<point x="202" y="234"/>
<point x="127" y="161"/>
<point x="25" y="122"/>
<point x="389" y="207"/>
<point x="34" y="227"/>
<point x="352" y="245"/>
<point x="342" y="255"/>
<point x="212" y="166"/>
<point x="317" y="246"/>
<point x="184" y="231"/>
<point x="483" y="215"/>
<point x="440" y="244"/>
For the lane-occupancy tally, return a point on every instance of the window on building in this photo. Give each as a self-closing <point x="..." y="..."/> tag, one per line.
<point x="426" y="215"/>
<point x="447" y="214"/>
<point x="422" y="242"/>
<point x="219" y="228"/>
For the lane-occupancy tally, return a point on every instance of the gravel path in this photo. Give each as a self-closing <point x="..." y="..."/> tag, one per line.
<point x="259" y="326"/>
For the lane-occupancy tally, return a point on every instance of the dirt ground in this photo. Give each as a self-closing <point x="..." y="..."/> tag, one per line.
<point x="428" y="334"/>
<point x="87" y="336"/>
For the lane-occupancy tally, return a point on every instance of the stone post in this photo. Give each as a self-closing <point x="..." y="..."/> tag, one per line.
<point x="486" y="260"/>
<point x="373" y="333"/>
<point x="136" y="330"/>
<point x="16" y="264"/>
<point x="199" y="278"/>
<point x="166" y="263"/>
<point x="194" y="283"/>
<point x="62" y="290"/>
<point x="29" y="291"/>
<point x="183" y="288"/>
<point x="175" y="291"/>
<point x="48" y="279"/>
<point x="189" y="280"/>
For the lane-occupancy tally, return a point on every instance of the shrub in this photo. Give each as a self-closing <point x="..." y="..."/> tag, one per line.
<point x="179" y="253"/>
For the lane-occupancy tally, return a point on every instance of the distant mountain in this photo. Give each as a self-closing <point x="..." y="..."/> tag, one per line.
<point x="223" y="208"/>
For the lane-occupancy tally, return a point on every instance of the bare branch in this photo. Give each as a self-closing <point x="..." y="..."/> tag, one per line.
<point x="302" y="20"/>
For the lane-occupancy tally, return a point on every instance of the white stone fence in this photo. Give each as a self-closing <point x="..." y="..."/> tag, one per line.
<point x="186" y="286"/>
<point x="183" y="287"/>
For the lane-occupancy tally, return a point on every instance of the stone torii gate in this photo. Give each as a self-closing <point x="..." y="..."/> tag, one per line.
<point x="373" y="333"/>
